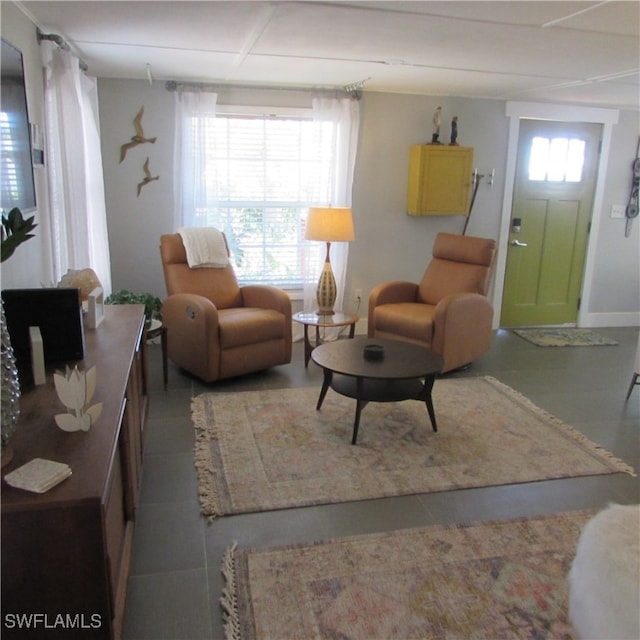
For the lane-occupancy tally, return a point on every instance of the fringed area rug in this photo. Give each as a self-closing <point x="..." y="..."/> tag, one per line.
<point x="488" y="580"/>
<point x="264" y="450"/>
<point x="564" y="338"/>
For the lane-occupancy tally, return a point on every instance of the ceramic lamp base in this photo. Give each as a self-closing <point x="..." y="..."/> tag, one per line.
<point x="326" y="291"/>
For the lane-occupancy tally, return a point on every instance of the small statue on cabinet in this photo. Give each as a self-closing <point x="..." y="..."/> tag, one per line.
<point x="454" y="132"/>
<point x="437" y="119"/>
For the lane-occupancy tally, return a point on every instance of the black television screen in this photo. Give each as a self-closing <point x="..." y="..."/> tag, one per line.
<point x="17" y="187"/>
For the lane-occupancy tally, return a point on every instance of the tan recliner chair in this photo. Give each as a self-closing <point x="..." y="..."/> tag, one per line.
<point x="215" y="328"/>
<point x="448" y="311"/>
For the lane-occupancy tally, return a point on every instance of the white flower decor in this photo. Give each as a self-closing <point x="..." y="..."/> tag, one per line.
<point x="75" y="390"/>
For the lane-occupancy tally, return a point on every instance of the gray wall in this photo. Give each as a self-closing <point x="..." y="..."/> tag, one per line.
<point x="136" y="223"/>
<point x="388" y="245"/>
<point x="615" y="284"/>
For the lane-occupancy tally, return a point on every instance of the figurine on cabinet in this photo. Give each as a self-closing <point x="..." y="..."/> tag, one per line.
<point x="454" y="132"/>
<point x="437" y="119"/>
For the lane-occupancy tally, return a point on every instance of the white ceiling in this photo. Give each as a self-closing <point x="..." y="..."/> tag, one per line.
<point x="569" y="52"/>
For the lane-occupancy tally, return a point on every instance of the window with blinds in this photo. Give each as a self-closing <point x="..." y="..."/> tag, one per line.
<point x="10" y="181"/>
<point x="17" y="187"/>
<point x="262" y="173"/>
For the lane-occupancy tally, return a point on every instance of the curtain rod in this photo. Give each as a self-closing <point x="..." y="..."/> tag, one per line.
<point x="353" y="91"/>
<point x="62" y="43"/>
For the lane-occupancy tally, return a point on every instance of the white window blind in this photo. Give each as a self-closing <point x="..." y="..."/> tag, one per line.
<point x="10" y="180"/>
<point x="262" y="173"/>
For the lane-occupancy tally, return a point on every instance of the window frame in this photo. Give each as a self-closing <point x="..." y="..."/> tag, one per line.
<point x="294" y="289"/>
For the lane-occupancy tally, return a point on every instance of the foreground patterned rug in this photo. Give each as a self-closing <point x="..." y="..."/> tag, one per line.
<point x="264" y="450"/>
<point x="489" y="580"/>
<point x="564" y="337"/>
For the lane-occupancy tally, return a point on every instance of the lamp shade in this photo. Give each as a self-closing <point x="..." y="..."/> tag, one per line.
<point x="330" y="224"/>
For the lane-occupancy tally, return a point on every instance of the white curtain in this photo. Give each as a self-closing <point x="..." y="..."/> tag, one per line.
<point x="192" y="109"/>
<point x="74" y="168"/>
<point x="345" y="115"/>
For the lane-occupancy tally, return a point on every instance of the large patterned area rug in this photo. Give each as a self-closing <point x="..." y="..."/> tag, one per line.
<point x="264" y="450"/>
<point x="493" y="580"/>
<point x="564" y="337"/>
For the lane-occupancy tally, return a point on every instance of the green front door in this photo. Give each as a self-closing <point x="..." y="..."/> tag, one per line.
<point x="552" y="202"/>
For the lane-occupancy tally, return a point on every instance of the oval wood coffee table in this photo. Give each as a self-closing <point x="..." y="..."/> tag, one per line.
<point x="405" y="372"/>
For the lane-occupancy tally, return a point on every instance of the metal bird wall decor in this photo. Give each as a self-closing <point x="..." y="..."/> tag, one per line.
<point x="147" y="178"/>
<point x="139" y="138"/>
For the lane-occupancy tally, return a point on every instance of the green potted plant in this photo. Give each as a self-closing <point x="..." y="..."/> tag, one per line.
<point x="15" y="231"/>
<point x="152" y="304"/>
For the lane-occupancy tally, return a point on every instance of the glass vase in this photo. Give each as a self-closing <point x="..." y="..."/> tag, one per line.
<point x="10" y="392"/>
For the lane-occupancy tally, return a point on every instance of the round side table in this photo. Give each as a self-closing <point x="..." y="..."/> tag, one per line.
<point x="312" y="319"/>
<point x="155" y="329"/>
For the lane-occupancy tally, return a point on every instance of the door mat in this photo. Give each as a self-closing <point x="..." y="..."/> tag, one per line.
<point x="271" y="449"/>
<point x="564" y="337"/>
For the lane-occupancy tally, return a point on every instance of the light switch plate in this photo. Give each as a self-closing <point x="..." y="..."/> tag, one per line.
<point x="618" y="211"/>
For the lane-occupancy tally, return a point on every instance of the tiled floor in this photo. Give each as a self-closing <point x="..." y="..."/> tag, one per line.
<point x="175" y="580"/>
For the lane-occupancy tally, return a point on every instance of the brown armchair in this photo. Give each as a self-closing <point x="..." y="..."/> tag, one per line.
<point x="215" y="328"/>
<point x="448" y="311"/>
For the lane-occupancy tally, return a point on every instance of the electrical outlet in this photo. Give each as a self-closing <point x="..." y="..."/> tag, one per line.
<point x="357" y="295"/>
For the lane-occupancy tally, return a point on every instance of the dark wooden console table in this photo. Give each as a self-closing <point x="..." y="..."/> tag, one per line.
<point x="66" y="552"/>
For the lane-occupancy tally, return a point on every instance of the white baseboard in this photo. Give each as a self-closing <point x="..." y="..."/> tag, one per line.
<point x="615" y="319"/>
<point x="590" y="321"/>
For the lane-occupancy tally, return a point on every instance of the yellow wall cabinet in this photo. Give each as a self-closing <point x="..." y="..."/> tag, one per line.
<point x="440" y="178"/>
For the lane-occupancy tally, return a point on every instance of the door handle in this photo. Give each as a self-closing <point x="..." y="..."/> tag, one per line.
<point x="517" y="243"/>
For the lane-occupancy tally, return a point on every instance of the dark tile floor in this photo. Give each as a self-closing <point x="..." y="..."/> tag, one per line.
<point x="175" y="580"/>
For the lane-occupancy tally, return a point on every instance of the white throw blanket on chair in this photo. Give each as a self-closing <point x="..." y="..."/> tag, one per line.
<point x="205" y="247"/>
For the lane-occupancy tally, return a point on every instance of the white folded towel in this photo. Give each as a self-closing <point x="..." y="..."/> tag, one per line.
<point x="204" y="246"/>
